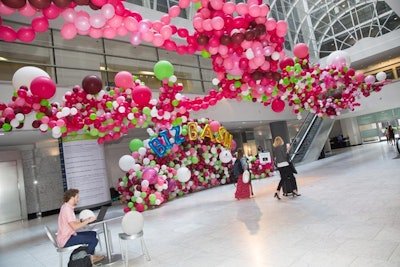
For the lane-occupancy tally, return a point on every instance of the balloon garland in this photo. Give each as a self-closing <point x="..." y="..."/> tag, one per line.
<point x="246" y="50"/>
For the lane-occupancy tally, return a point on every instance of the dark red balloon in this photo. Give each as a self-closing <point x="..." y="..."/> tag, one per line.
<point x="40" y="4"/>
<point x="14" y="3"/>
<point x="82" y="2"/>
<point x="92" y="84"/>
<point x="62" y="3"/>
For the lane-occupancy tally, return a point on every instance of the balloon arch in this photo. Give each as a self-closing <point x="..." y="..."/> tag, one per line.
<point x="246" y="49"/>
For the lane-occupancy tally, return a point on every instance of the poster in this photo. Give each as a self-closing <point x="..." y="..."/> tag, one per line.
<point x="85" y="169"/>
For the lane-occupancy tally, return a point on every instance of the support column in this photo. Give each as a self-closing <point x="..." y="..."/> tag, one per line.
<point x="279" y="128"/>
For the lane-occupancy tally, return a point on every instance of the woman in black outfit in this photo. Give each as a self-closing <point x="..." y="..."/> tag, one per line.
<point x="281" y="161"/>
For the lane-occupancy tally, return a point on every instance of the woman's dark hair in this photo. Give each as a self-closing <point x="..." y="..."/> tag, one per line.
<point x="240" y="153"/>
<point x="70" y="193"/>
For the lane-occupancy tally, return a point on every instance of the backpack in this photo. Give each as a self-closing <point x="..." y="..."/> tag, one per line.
<point x="237" y="170"/>
<point x="80" y="258"/>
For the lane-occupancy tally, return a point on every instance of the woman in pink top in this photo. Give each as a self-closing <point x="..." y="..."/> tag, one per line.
<point x="68" y="224"/>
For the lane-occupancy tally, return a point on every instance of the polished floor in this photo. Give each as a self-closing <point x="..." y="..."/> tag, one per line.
<point x="348" y="215"/>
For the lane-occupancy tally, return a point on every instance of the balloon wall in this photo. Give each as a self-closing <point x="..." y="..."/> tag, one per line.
<point x="193" y="158"/>
<point x="245" y="45"/>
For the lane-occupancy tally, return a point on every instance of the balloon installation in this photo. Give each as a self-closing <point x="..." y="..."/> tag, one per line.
<point x="245" y="47"/>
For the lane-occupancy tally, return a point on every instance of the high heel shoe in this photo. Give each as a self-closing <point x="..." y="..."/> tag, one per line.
<point x="277" y="196"/>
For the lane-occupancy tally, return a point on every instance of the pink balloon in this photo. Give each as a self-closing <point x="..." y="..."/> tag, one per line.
<point x="135" y="38"/>
<point x="370" y="79"/>
<point x="166" y="31"/>
<point x="147" y="36"/>
<point x="214" y="126"/>
<point x="184" y="3"/>
<point x="69" y="15"/>
<point x="28" y="10"/>
<point x="281" y="28"/>
<point x="158" y="40"/>
<point x="217" y="23"/>
<point x="43" y="87"/>
<point x="122" y="31"/>
<point x="254" y="11"/>
<point x="150" y="175"/>
<point x="300" y="50"/>
<point x="40" y="24"/>
<point x="97" y="21"/>
<point x="242" y="9"/>
<point x="360" y="77"/>
<point x="82" y="23"/>
<point x="174" y="11"/>
<point x="131" y="24"/>
<point x="124" y="79"/>
<point x="270" y="25"/>
<point x="68" y="31"/>
<point x="229" y="8"/>
<point x="108" y="11"/>
<point x="109" y="32"/>
<point x="6" y="10"/>
<point x="115" y="22"/>
<point x="26" y="34"/>
<point x="95" y="33"/>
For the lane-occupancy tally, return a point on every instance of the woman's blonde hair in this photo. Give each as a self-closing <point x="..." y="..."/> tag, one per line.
<point x="278" y="141"/>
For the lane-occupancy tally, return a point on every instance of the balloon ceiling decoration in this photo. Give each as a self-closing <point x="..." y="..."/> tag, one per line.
<point x="246" y="49"/>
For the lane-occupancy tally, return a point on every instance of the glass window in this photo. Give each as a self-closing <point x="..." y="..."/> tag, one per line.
<point x="78" y="60"/>
<point x="127" y="50"/>
<point x="71" y="77"/>
<point x="79" y="43"/>
<point x="189" y="60"/>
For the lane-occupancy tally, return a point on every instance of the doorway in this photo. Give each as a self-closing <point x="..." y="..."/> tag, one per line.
<point x="10" y="199"/>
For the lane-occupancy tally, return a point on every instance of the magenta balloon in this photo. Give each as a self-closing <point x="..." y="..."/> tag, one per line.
<point x="43" y="87"/>
<point x="7" y="34"/>
<point x="278" y="105"/>
<point x="26" y="34"/>
<point x="51" y="12"/>
<point x="40" y="24"/>
<point x="141" y="95"/>
<point x="300" y="50"/>
<point x="150" y="175"/>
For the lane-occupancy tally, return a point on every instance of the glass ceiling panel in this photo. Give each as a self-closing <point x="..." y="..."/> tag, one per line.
<point x="330" y="25"/>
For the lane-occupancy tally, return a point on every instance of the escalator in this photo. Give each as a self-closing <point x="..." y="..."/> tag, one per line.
<point x="310" y="140"/>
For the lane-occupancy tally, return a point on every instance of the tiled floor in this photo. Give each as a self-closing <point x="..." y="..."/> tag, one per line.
<point x="348" y="215"/>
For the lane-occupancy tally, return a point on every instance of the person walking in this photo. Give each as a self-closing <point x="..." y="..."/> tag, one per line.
<point x="391" y="135"/>
<point x="284" y="168"/>
<point x="243" y="190"/>
<point x="68" y="224"/>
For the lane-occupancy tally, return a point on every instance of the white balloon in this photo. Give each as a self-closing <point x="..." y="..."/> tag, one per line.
<point x="225" y="156"/>
<point x="183" y="174"/>
<point x="142" y="151"/>
<point x="381" y="76"/>
<point x="132" y="223"/>
<point x="25" y="75"/>
<point x="84" y="214"/>
<point x="126" y="162"/>
<point x="330" y="60"/>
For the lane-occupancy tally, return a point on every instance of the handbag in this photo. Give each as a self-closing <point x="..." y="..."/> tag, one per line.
<point x="246" y="177"/>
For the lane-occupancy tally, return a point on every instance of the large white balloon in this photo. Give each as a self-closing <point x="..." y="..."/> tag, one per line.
<point x="126" y="162"/>
<point x="84" y="214"/>
<point x="339" y="58"/>
<point x="25" y="75"/>
<point x="132" y="222"/>
<point x="183" y="174"/>
<point x="225" y="156"/>
<point x="381" y="76"/>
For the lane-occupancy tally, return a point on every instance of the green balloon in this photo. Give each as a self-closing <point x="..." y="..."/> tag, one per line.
<point x="135" y="144"/>
<point x="163" y="69"/>
<point x="146" y="110"/>
<point x="6" y="127"/>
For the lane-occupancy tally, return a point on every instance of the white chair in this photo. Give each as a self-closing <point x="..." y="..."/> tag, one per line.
<point x="132" y="225"/>
<point x="53" y="238"/>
